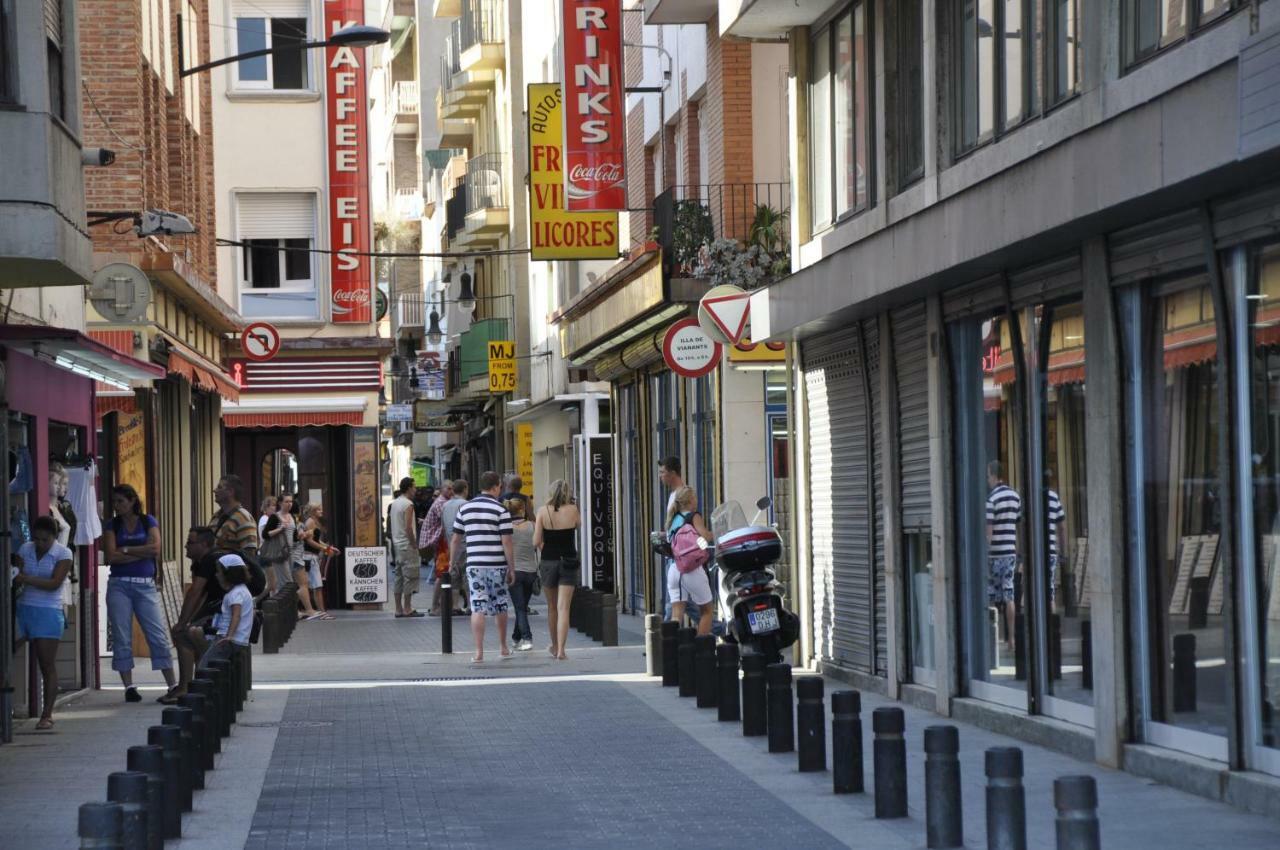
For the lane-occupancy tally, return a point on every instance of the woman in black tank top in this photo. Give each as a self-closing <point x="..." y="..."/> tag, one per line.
<point x="555" y="535"/>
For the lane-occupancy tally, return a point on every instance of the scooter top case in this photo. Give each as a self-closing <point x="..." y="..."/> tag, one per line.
<point x="751" y="547"/>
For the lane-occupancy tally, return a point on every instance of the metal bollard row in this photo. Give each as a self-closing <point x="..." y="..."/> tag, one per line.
<point x="706" y="682"/>
<point x="685" y="662"/>
<point x="279" y="617"/>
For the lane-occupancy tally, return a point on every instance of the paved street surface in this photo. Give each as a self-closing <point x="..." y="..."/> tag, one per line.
<point x="360" y="734"/>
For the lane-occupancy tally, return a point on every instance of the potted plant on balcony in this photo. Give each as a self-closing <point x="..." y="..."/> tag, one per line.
<point x="765" y="257"/>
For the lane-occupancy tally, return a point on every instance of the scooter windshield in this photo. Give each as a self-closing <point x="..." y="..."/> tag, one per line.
<point x="728" y="517"/>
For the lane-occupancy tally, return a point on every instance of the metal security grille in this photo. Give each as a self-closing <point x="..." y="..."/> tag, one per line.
<point x="841" y="474"/>
<point x="871" y="379"/>
<point x="911" y="367"/>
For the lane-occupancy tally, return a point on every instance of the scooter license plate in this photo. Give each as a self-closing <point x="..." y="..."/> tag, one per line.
<point x="762" y="622"/>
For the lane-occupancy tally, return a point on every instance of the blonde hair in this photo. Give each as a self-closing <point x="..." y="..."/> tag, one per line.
<point x="515" y="507"/>
<point x="560" y="495"/>
<point x="684" y="497"/>
<point x="309" y="510"/>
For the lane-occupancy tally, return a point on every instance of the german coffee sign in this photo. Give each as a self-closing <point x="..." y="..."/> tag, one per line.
<point x="366" y="573"/>
<point x="594" y="108"/>
<point x="348" y="151"/>
<point x="557" y="234"/>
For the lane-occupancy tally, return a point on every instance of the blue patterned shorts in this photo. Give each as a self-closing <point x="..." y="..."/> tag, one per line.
<point x="1000" y="578"/>
<point x="488" y="586"/>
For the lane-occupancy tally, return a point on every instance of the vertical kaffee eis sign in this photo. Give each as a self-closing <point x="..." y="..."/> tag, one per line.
<point x="350" y="271"/>
<point x="594" y="106"/>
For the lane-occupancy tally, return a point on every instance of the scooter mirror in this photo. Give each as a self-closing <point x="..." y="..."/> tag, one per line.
<point x="764" y="503"/>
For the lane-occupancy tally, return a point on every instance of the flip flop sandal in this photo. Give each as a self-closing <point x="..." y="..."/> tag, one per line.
<point x="327" y="616"/>
<point x="475" y="660"/>
<point x="45" y="725"/>
<point x="507" y="656"/>
<point x="415" y="614"/>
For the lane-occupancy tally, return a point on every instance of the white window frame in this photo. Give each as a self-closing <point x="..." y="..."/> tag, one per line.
<point x="237" y="12"/>
<point x="311" y="286"/>
<point x="286" y="285"/>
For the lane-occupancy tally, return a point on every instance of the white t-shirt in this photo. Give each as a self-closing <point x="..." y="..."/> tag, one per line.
<point x="238" y="595"/>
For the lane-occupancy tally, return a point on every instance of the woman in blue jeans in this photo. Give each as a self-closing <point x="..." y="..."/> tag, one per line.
<point x="132" y="545"/>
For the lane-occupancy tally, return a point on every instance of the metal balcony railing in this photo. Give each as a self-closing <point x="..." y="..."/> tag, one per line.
<point x="481" y="22"/>
<point x="406" y="97"/>
<point x="410" y="312"/>
<point x="408" y="203"/>
<point x="751" y="214"/>
<point x="485" y="189"/>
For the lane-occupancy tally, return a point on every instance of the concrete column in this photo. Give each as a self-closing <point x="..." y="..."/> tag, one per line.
<point x="799" y="153"/>
<point x="802" y="560"/>
<point x="1104" y="438"/>
<point x="946" y="629"/>
<point x="896" y="618"/>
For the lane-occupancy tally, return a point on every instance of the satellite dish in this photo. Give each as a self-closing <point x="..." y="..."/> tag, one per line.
<point x="120" y="292"/>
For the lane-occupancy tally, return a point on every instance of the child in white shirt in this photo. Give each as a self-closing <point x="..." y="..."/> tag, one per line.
<point x="235" y="622"/>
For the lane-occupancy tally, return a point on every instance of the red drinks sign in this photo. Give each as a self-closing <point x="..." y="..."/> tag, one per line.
<point x="594" y="109"/>
<point x="348" y="152"/>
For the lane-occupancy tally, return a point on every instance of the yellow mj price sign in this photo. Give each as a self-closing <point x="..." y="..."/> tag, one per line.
<point x="502" y="366"/>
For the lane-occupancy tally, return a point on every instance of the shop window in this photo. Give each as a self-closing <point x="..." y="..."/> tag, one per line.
<point x="918" y="555"/>
<point x="704" y="429"/>
<point x="284" y="70"/>
<point x="1153" y="25"/>
<point x="1264" y="389"/>
<point x="1182" y="570"/>
<point x="277" y="266"/>
<point x="991" y="503"/>
<point x="840" y="117"/>
<point x="53" y="27"/>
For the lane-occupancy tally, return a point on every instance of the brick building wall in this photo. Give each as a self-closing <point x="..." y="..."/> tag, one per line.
<point x="726" y="117"/>
<point x="161" y="161"/>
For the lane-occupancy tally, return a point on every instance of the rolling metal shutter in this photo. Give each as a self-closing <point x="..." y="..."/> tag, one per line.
<point x="871" y="377"/>
<point x="840" y="477"/>
<point x="911" y="377"/>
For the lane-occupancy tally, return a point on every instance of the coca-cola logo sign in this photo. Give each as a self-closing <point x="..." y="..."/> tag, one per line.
<point x="604" y="172"/>
<point x="355" y="296"/>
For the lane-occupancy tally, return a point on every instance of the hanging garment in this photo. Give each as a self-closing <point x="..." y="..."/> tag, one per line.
<point x="24" y="476"/>
<point x="83" y="495"/>
<point x="65" y="530"/>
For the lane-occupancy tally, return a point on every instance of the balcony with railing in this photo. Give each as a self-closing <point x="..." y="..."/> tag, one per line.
<point x="735" y="233"/>
<point x="482" y="44"/>
<point x="488" y="216"/>
<point x="408" y="204"/>
<point x="405" y="96"/>
<point x="410" y="312"/>
<point x="455" y="212"/>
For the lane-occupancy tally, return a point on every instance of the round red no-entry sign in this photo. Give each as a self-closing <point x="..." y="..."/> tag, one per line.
<point x="260" y="341"/>
<point x="688" y="351"/>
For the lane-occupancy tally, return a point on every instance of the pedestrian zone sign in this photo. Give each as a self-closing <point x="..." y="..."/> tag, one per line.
<point x="502" y="366"/>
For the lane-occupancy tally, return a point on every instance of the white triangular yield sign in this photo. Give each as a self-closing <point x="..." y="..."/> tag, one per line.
<point x="730" y="314"/>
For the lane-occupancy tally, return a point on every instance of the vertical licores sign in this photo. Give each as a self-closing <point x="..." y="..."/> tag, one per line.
<point x="600" y="505"/>
<point x="594" y="106"/>
<point x="348" y="150"/>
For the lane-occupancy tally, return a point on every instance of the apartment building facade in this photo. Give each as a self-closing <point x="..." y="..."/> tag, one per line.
<point x="1032" y="252"/>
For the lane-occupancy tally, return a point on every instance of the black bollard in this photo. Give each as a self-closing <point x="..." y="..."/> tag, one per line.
<point x="270" y="625"/>
<point x="100" y="824"/>
<point x="846" y="742"/>
<point x="685" y="662"/>
<point x="1076" y="799"/>
<point x="706" y="684"/>
<point x="228" y="687"/>
<point x="236" y="670"/>
<point x="944" y="825"/>
<point x="446" y="615"/>
<point x="1198" y="603"/>
<point x="1006" y="800"/>
<point x="652" y="645"/>
<point x="170" y="738"/>
<point x="729" y="700"/>
<point x="609" y="619"/>
<point x="200" y="732"/>
<point x="218" y="677"/>
<point x="1055" y="647"/>
<point x="811" y="724"/>
<point x="207" y="688"/>
<point x="889" y="756"/>
<point x="149" y="759"/>
<point x="1086" y="655"/>
<point x="1184" y="672"/>
<point x="755" y="717"/>
<point x="670" y="666"/>
<point x="782" y="721"/>
<point x="175" y="715"/>
<point x="129" y="789"/>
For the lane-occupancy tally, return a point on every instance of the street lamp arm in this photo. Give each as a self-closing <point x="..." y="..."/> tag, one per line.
<point x="251" y="54"/>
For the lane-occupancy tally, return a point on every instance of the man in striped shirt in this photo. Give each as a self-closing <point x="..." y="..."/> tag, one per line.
<point x="483" y="526"/>
<point x="1056" y="516"/>
<point x="1004" y="509"/>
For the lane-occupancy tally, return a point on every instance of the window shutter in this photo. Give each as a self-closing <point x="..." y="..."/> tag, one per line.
<point x="53" y="20"/>
<point x="271" y="9"/>
<point x="276" y="215"/>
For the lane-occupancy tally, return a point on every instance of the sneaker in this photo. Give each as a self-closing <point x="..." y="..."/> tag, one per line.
<point x="524" y="645"/>
<point x="131" y="694"/>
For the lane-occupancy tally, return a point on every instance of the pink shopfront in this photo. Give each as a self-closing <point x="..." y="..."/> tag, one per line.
<point x="48" y="380"/>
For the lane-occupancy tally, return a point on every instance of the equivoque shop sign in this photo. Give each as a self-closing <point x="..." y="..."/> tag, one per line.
<point x="594" y="141"/>
<point x="347" y="134"/>
<point x="557" y="234"/>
